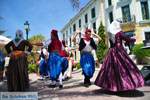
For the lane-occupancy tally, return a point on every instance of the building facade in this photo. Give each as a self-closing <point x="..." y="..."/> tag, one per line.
<point x="88" y="17"/>
<point x="134" y="16"/>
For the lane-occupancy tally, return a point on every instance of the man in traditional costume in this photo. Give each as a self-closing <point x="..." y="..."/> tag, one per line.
<point x="86" y="45"/>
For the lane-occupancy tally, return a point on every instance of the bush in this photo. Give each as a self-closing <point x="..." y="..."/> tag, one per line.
<point x="105" y="52"/>
<point x="77" y="65"/>
<point x="138" y="52"/>
<point x="32" y="68"/>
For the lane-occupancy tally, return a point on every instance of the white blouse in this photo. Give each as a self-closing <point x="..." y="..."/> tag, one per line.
<point x="88" y="47"/>
<point x="47" y="42"/>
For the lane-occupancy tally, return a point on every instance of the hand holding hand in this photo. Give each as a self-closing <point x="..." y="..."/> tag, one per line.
<point x="27" y="52"/>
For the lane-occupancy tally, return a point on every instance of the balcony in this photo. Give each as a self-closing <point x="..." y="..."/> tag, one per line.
<point x="127" y="19"/>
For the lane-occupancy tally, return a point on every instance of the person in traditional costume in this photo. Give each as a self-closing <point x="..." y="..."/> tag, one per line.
<point x="118" y="71"/>
<point x="64" y="60"/>
<point x="43" y="68"/>
<point x="86" y="45"/>
<point x="54" y="61"/>
<point x="17" y="72"/>
<point x="2" y="63"/>
<point x="70" y="58"/>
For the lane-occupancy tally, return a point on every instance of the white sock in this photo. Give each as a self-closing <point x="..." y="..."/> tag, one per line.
<point x="53" y="82"/>
<point x="60" y="79"/>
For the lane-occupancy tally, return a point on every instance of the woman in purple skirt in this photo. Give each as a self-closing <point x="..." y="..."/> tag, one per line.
<point x="118" y="72"/>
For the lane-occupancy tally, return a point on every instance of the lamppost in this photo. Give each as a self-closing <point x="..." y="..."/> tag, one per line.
<point x="26" y="25"/>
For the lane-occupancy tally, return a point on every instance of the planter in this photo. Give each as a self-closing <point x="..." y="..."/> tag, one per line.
<point x="143" y="60"/>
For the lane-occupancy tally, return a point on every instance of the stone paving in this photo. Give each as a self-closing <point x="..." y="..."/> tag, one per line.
<point x="73" y="89"/>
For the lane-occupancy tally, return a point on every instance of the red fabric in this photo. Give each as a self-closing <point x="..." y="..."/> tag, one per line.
<point x="88" y="30"/>
<point x="55" y="45"/>
<point x="87" y="39"/>
<point x="62" y="53"/>
<point x="63" y="41"/>
<point x="54" y="32"/>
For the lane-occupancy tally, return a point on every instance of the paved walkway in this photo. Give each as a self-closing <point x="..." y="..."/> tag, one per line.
<point x="74" y="90"/>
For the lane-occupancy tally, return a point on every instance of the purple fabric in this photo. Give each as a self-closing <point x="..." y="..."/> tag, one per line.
<point x="118" y="72"/>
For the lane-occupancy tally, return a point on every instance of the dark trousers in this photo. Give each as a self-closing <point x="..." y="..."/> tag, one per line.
<point x="86" y="79"/>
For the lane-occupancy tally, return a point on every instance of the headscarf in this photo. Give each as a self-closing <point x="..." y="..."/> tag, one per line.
<point x="86" y="38"/>
<point x="113" y="29"/>
<point x="55" y="33"/>
<point x="19" y="37"/>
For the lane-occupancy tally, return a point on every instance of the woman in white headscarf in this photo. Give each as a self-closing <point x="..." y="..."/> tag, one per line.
<point x="118" y="72"/>
<point x="17" y="75"/>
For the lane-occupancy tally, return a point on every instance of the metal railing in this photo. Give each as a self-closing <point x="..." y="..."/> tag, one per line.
<point x="127" y="19"/>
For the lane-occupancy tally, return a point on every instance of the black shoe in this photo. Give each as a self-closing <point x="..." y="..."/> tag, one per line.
<point x="86" y="85"/>
<point x="52" y="86"/>
<point x="60" y="86"/>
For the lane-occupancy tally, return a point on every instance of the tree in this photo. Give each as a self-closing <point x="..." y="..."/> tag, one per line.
<point x="75" y="4"/>
<point x="1" y="32"/>
<point x="35" y="39"/>
<point x="101" y="45"/>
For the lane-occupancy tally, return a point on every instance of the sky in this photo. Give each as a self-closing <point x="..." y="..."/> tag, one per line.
<point x="42" y="15"/>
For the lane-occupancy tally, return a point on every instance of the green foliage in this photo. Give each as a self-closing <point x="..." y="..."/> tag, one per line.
<point x="1" y="32"/>
<point x="77" y="65"/>
<point x="138" y="52"/>
<point x="101" y="45"/>
<point x="35" y="39"/>
<point x="32" y="68"/>
<point x="105" y="52"/>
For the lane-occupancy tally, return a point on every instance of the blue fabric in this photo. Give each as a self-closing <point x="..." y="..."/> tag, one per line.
<point x="2" y="58"/>
<point x="54" y="64"/>
<point x="64" y="63"/>
<point x="88" y="64"/>
<point x="2" y="65"/>
<point x="43" y="69"/>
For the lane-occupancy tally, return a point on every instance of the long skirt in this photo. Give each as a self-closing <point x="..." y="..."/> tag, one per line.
<point x="118" y="72"/>
<point x="88" y="64"/>
<point x="17" y="75"/>
<point x="64" y="62"/>
<point x="43" y="68"/>
<point x="54" y="64"/>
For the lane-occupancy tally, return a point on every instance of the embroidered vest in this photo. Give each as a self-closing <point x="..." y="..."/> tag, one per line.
<point x="55" y="45"/>
<point x="82" y="44"/>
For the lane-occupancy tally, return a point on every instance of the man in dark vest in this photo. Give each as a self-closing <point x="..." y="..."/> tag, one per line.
<point x="86" y="45"/>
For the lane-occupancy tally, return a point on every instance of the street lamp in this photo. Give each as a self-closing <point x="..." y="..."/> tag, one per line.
<point x="26" y="25"/>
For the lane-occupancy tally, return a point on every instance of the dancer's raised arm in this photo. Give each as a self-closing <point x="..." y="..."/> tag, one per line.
<point x="74" y="37"/>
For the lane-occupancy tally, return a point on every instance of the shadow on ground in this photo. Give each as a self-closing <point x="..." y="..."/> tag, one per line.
<point x="132" y="93"/>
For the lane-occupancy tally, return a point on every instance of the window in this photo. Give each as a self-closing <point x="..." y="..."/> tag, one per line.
<point x="86" y="28"/>
<point x="147" y="35"/>
<point x="86" y="18"/>
<point x="63" y="36"/>
<point x="79" y="23"/>
<point x="126" y="14"/>
<point x="145" y="12"/>
<point x="70" y="42"/>
<point x="109" y="2"/>
<point x="74" y="27"/>
<point x="94" y="25"/>
<point x="130" y="34"/>
<point x="93" y="12"/>
<point x="66" y="34"/>
<point x="75" y="55"/>
<point x="111" y="17"/>
<point x="70" y="31"/>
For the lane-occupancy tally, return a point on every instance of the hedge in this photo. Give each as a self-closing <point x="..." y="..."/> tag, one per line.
<point x="32" y="68"/>
<point x="138" y="52"/>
